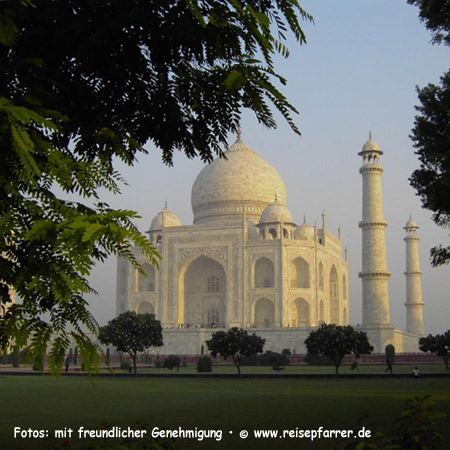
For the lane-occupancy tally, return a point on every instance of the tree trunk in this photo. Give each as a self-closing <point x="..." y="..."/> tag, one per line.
<point x="238" y="366"/>
<point x="337" y="363"/>
<point x="134" y="364"/>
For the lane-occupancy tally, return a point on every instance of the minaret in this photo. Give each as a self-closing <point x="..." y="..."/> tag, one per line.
<point x="414" y="303"/>
<point x="374" y="274"/>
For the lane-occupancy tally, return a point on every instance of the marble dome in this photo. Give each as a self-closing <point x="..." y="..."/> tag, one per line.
<point x="276" y="212"/>
<point x="241" y="179"/>
<point x="411" y="224"/>
<point x="165" y="218"/>
<point x="304" y="231"/>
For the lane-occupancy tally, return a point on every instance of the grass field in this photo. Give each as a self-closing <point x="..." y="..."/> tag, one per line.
<point x="345" y="369"/>
<point x="226" y="404"/>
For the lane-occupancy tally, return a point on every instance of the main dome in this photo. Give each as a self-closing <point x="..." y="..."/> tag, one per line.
<point x="241" y="180"/>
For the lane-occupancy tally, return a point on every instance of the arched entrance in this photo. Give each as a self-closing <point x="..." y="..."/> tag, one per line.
<point x="204" y="293"/>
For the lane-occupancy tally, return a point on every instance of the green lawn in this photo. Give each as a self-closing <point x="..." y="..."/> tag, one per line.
<point x="369" y="368"/>
<point x="226" y="404"/>
<point x="230" y="368"/>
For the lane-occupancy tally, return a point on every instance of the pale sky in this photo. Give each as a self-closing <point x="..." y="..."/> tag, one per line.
<point x="356" y="74"/>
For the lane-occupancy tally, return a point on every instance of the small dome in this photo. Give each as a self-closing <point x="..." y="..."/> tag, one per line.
<point x="276" y="212"/>
<point x="304" y="231"/>
<point x="411" y="224"/>
<point x="165" y="218"/>
<point x="370" y="146"/>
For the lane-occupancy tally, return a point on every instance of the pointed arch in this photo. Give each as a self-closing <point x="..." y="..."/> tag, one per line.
<point x="147" y="282"/>
<point x="264" y="313"/>
<point x="264" y="273"/>
<point x="334" y="296"/>
<point x="203" y="293"/>
<point x="321" y="311"/>
<point x="321" y="282"/>
<point x="300" y="313"/>
<point x="145" y="308"/>
<point x="299" y="273"/>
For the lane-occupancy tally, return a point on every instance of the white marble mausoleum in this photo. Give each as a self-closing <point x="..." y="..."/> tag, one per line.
<point x="245" y="262"/>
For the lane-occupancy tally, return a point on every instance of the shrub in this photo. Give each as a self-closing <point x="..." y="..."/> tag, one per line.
<point x="158" y="364"/>
<point x="124" y="364"/>
<point x="313" y="359"/>
<point x="204" y="364"/>
<point x="171" y="362"/>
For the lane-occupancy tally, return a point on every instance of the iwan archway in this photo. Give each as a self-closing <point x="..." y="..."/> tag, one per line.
<point x="204" y="293"/>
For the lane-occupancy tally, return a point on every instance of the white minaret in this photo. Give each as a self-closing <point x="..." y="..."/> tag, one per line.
<point x="414" y="303"/>
<point x="374" y="274"/>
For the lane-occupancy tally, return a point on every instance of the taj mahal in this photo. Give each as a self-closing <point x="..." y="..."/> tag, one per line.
<point x="245" y="262"/>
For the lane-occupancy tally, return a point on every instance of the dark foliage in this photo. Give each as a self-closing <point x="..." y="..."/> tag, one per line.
<point x="204" y="364"/>
<point x="132" y="333"/>
<point x="235" y="343"/>
<point x="431" y="132"/>
<point x="438" y="344"/>
<point x="335" y="341"/>
<point x="84" y="84"/>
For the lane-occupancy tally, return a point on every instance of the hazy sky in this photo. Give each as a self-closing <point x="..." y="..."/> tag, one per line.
<point x="356" y="74"/>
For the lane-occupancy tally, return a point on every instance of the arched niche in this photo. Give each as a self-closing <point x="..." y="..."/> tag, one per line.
<point x="264" y="273"/>
<point x="321" y="278"/>
<point x="300" y="313"/>
<point x="203" y="292"/>
<point x="334" y="296"/>
<point x="344" y="287"/>
<point x="321" y="311"/>
<point x="264" y="313"/>
<point x="147" y="282"/>
<point x="299" y="273"/>
<point x="145" y="308"/>
<point x="344" y="316"/>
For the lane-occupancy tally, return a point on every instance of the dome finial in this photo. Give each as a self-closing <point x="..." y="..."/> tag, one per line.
<point x="165" y="204"/>
<point x="239" y="134"/>
<point x="370" y="135"/>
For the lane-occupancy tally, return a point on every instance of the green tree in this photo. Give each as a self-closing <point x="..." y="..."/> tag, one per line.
<point x="431" y="132"/>
<point x="132" y="333"/>
<point x="438" y="345"/>
<point x="335" y="341"/>
<point x="176" y="74"/>
<point x="431" y="137"/>
<point x="436" y="15"/>
<point x="235" y="343"/>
